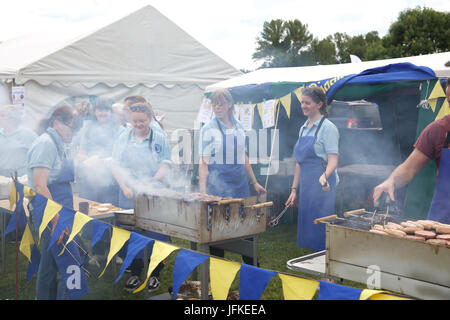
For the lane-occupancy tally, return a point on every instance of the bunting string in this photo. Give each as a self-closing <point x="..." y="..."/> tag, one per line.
<point x="253" y="280"/>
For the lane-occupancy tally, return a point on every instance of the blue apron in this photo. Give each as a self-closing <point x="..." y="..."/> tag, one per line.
<point x="228" y="180"/>
<point x="440" y="205"/>
<point x="47" y="284"/>
<point x="61" y="190"/>
<point x="313" y="201"/>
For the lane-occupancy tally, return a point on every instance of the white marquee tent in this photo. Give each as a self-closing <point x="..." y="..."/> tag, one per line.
<point x="436" y="62"/>
<point x="143" y="53"/>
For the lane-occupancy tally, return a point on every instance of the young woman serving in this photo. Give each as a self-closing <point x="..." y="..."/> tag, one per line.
<point x="315" y="177"/>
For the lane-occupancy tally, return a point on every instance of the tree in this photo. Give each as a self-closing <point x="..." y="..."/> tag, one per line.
<point x="418" y="31"/>
<point x="283" y="43"/>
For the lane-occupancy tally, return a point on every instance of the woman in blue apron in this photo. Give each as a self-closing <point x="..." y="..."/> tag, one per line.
<point x="94" y="170"/>
<point x="140" y="155"/>
<point x="50" y="172"/>
<point x="316" y="152"/>
<point x="224" y="168"/>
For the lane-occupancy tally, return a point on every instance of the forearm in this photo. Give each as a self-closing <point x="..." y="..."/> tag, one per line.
<point x="332" y="165"/>
<point x="117" y="173"/>
<point x="296" y="176"/>
<point x="202" y="176"/>
<point x="405" y="172"/>
<point x="249" y="171"/>
<point x="162" y="171"/>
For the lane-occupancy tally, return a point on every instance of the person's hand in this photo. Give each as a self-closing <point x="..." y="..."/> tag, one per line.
<point x="292" y="198"/>
<point x="385" y="187"/>
<point x="127" y="192"/>
<point x="259" y="188"/>
<point x="324" y="183"/>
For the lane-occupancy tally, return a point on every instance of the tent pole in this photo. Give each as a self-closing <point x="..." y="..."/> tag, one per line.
<point x="271" y="147"/>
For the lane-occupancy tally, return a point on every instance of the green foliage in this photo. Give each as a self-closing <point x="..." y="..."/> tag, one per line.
<point x="289" y="43"/>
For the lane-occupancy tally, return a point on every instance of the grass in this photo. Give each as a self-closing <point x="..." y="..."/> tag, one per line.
<point x="275" y="247"/>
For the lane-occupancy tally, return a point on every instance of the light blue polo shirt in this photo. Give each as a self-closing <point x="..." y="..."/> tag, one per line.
<point x="327" y="138"/>
<point x="44" y="153"/>
<point x="139" y="160"/>
<point x="97" y="139"/>
<point x="211" y="139"/>
<point x="13" y="151"/>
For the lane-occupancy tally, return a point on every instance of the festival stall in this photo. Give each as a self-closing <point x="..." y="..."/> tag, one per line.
<point x="379" y="107"/>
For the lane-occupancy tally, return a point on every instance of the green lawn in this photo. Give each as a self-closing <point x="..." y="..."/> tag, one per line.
<point x="275" y="247"/>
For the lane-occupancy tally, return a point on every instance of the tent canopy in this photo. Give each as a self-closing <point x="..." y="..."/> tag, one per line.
<point x="143" y="47"/>
<point x="435" y="62"/>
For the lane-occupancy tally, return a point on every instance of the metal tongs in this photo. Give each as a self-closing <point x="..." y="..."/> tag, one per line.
<point x="274" y="222"/>
<point x="384" y="202"/>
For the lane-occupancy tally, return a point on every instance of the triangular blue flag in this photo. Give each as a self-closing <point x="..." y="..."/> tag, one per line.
<point x="19" y="212"/>
<point x="253" y="282"/>
<point x="33" y="266"/>
<point x="70" y="269"/>
<point x="38" y="203"/>
<point x="185" y="262"/>
<point x="332" y="291"/>
<point x="136" y="243"/>
<point x="65" y="220"/>
<point x="98" y="229"/>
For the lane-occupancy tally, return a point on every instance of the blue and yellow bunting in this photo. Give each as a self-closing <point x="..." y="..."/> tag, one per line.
<point x="253" y="280"/>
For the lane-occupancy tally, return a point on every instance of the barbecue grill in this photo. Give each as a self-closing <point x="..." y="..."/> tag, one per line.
<point x="413" y="268"/>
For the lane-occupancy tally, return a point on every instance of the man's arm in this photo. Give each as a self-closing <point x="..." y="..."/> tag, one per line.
<point x="402" y="175"/>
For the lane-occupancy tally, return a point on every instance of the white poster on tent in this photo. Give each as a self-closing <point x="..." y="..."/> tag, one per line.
<point x="268" y="111"/>
<point x="18" y="95"/>
<point x="205" y="113"/>
<point x="245" y="116"/>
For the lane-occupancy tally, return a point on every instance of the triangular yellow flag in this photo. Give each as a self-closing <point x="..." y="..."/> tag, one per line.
<point x="295" y="288"/>
<point x="118" y="239"/>
<point x="222" y="274"/>
<point x="51" y="210"/>
<point x="160" y="251"/>
<point x="437" y="92"/>
<point x="368" y="294"/>
<point x="12" y="196"/>
<point x="432" y="104"/>
<point x="298" y="93"/>
<point x="28" y="192"/>
<point x="79" y="221"/>
<point x="286" y="102"/>
<point x="445" y="110"/>
<point x="259" y="107"/>
<point x="26" y="243"/>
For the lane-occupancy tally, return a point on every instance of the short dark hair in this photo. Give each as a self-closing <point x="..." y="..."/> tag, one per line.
<point x="448" y="82"/>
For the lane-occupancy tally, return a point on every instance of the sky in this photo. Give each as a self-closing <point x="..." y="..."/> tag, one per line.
<point x="229" y="28"/>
